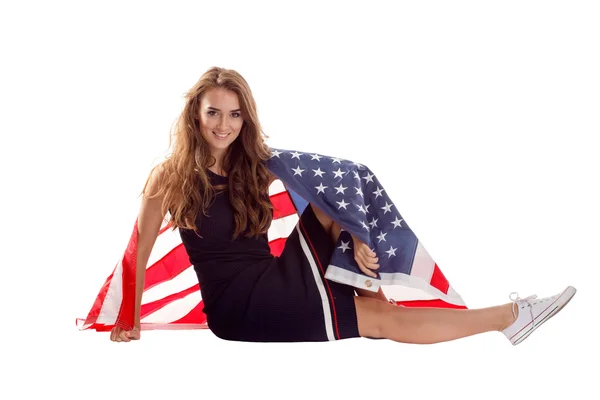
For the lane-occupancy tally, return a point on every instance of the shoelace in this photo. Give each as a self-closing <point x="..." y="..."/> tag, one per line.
<point x="528" y="300"/>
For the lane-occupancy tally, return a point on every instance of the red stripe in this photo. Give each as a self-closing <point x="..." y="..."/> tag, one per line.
<point x="437" y="303"/>
<point x="282" y="205"/>
<point x="277" y="246"/>
<point x="439" y="281"/>
<point x="125" y="318"/>
<point x="151" y="326"/>
<point x="172" y="264"/>
<point x="92" y="316"/>
<point x="316" y="257"/>
<point x="196" y="316"/>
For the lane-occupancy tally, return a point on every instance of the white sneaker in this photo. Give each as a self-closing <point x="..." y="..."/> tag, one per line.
<point x="532" y="314"/>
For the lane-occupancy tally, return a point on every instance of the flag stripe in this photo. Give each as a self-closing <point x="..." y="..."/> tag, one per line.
<point x="174" y="285"/>
<point x="282" y="205"/>
<point x="112" y="298"/>
<point x="282" y="227"/>
<point x="171" y="265"/>
<point x="276" y="187"/>
<point x="164" y="244"/>
<point x="196" y="316"/>
<point x="175" y="310"/>
<point x="277" y="246"/>
<point x="437" y="303"/>
<point x="439" y="281"/>
<point x="154" y="306"/>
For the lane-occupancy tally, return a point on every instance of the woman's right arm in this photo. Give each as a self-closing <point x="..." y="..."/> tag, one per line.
<point x="149" y="221"/>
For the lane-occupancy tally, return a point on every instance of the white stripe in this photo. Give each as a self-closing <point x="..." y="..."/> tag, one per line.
<point x="282" y="227"/>
<point x="184" y="280"/>
<point x="337" y="274"/>
<point x="276" y="187"/>
<point x="175" y="310"/>
<point x="165" y="242"/>
<point x="360" y="281"/>
<point x="404" y="293"/>
<point x="320" y="287"/>
<point x="414" y="282"/>
<point x="114" y="297"/>
<point x="423" y="264"/>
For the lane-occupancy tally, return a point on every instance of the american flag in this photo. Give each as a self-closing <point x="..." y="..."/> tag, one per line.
<point x="347" y="191"/>
<point x="351" y="194"/>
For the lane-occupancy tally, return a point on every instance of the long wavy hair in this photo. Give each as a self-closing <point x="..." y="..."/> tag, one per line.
<point x="182" y="175"/>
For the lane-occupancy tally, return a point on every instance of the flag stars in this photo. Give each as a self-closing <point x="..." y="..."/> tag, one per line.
<point x="397" y="222"/>
<point x="295" y="154"/>
<point x="318" y="172"/>
<point x="338" y="173"/>
<point x="364" y="225"/>
<point x="356" y="175"/>
<point x="381" y="237"/>
<point x="391" y="252"/>
<point x="316" y="157"/>
<point x="369" y="177"/>
<point x="359" y="191"/>
<point x="387" y="208"/>
<point x="336" y="160"/>
<point x="276" y="153"/>
<point x="362" y="209"/>
<point x="345" y="246"/>
<point x="373" y="222"/>
<point x="321" y="188"/>
<point x="342" y="204"/>
<point x="377" y="193"/>
<point x="298" y="171"/>
<point x="340" y="189"/>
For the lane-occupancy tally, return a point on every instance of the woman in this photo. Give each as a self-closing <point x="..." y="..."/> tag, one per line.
<point x="215" y="188"/>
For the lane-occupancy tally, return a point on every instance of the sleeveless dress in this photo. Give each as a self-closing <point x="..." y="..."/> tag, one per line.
<point x="251" y="295"/>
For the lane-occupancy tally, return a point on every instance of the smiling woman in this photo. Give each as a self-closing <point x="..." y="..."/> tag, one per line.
<point x="215" y="186"/>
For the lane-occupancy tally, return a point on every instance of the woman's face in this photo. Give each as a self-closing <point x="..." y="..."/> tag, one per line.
<point x="220" y="119"/>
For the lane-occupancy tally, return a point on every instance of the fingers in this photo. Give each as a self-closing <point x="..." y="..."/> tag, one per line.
<point x="124" y="336"/>
<point x="114" y="332"/>
<point x="365" y="257"/>
<point x="366" y="260"/>
<point x="119" y="335"/>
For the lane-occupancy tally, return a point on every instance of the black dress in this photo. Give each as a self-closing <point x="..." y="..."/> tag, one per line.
<point x="251" y="295"/>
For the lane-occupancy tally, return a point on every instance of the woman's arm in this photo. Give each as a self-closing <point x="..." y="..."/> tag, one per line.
<point x="149" y="221"/>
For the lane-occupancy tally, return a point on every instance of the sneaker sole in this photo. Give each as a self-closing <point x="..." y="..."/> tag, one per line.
<point x="560" y="303"/>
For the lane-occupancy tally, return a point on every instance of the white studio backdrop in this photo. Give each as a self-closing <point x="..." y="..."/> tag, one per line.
<point x="479" y="118"/>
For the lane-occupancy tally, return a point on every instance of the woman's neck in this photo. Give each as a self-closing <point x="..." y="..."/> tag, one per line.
<point x="217" y="167"/>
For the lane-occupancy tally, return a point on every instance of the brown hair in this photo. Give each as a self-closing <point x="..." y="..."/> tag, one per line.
<point x="183" y="177"/>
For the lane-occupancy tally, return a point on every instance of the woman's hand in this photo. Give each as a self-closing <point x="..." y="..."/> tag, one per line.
<point x="365" y="257"/>
<point x="121" y="335"/>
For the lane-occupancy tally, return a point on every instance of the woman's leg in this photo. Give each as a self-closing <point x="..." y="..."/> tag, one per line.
<point x="334" y="230"/>
<point x="377" y="319"/>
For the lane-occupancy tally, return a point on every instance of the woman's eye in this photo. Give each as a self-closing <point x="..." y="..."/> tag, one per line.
<point x="237" y="115"/>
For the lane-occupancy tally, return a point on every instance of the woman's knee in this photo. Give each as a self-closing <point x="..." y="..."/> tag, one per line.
<point x="370" y="314"/>
<point x="322" y="217"/>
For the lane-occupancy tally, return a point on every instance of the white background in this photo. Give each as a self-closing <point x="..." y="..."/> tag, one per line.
<point x="480" y="118"/>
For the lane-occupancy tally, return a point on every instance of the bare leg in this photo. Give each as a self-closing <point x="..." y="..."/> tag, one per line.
<point x="427" y="325"/>
<point x="334" y="230"/>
